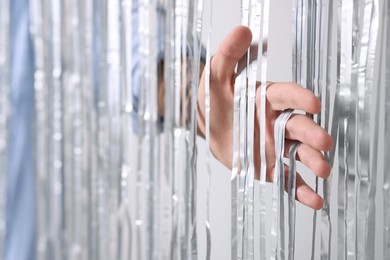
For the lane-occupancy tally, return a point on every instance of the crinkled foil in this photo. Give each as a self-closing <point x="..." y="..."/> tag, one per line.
<point x="263" y="67"/>
<point x="4" y="114"/>
<point x="291" y="188"/>
<point x="386" y="107"/>
<point x="366" y="202"/>
<point x="207" y="134"/>
<point x="278" y="225"/>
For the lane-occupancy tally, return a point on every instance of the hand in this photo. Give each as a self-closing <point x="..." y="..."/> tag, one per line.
<point x="280" y="96"/>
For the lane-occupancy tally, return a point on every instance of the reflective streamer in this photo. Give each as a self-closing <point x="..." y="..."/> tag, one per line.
<point x="4" y="114"/>
<point x="125" y="239"/>
<point x="263" y="52"/>
<point x="328" y="99"/>
<point x="254" y="25"/>
<point x="73" y="123"/>
<point x="351" y="134"/>
<point x="277" y="230"/>
<point x="166" y="243"/>
<point x="312" y="69"/>
<point x="292" y="179"/>
<point x="207" y="130"/>
<point x="196" y="10"/>
<point x="235" y="180"/>
<point x="242" y="221"/>
<point x="368" y="41"/>
<point x="386" y="107"/>
<point x="345" y="82"/>
<point x="56" y="132"/>
<point x="41" y="143"/>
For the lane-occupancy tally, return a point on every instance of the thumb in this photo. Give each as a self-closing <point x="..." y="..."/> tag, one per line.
<point x="230" y="51"/>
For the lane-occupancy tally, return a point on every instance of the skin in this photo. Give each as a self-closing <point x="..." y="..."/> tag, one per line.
<point x="280" y="96"/>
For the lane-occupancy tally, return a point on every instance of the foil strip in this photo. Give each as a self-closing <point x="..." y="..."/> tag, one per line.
<point x="386" y="176"/>
<point x="263" y="52"/>
<point x="166" y="244"/>
<point x="125" y="239"/>
<point x="368" y="42"/>
<point x="278" y="226"/>
<point x="55" y="131"/>
<point x="40" y="86"/>
<point x="242" y="220"/>
<point x="207" y="134"/>
<point x="328" y="99"/>
<point x="178" y="115"/>
<point x="345" y="46"/>
<point x="234" y="181"/>
<point x="103" y="133"/>
<point x="254" y="25"/>
<point x="4" y="114"/>
<point x="195" y="24"/>
<point x="143" y="240"/>
<point x="352" y="137"/>
<point x="312" y="70"/>
<point x="292" y="171"/>
<point x="88" y="201"/>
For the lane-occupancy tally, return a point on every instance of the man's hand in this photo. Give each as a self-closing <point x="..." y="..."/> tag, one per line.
<point x="280" y="96"/>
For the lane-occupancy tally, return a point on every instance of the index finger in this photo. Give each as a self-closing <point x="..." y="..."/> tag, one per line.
<point x="288" y="95"/>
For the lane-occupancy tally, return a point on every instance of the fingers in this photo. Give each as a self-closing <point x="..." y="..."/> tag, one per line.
<point x="306" y="196"/>
<point x="230" y="51"/>
<point x="312" y="158"/>
<point x="281" y="96"/>
<point x="305" y="130"/>
<point x="304" y="193"/>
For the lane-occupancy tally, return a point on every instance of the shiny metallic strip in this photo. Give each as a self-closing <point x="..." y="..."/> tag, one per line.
<point x="142" y="222"/>
<point x="241" y="207"/>
<point x="263" y="62"/>
<point x="344" y="45"/>
<point x="88" y="201"/>
<point x="242" y="221"/>
<point x="277" y="229"/>
<point x="386" y="176"/>
<point x="166" y="222"/>
<point x="325" y="83"/>
<point x="4" y="114"/>
<point x="148" y="53"/>
<point x="374" y="128"/>
<point x="241" y="246"/>
<point x="176" y="195"/>
<point x="181" y="10"/>
<point x="103" y="134"/>
<point x="292" y="179"/>
<point x="252" y="54"/>
<point x="235" y="171"/>
<point x="114" y="100"/>
<point x="74" y="125"/>
<point x="207" y="125"/>
<point x="368" y="42"/>
<point x="186" y="58"/>
<point x="41" y="121"/>
<point x="352" y="136"/>
<point x="125" y="239"/>
<point x="197" y="11"/>
<point x="311" y="82"/>
<point x="56" y="130"/>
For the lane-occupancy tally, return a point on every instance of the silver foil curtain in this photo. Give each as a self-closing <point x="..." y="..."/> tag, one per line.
<point x="116" y="85"/>
<point x="4" y="113"/>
